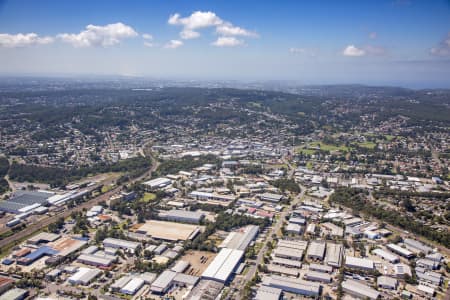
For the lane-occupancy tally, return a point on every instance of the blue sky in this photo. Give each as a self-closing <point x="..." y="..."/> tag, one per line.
<point x="393" y="42"/>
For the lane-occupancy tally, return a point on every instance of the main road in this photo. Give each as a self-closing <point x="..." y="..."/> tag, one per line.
<point x="269" y="237"/>
<point x="32" y="228"/>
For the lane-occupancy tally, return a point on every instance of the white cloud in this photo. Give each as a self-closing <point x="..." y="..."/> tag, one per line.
<point x="22" y="40"/>
<point x="373" y="35"/>
<point x="148" y="44"/>
<point x="443" y="49"/>
<point x="173" y="44"/>
<point x="228" y="29"/>
<point x="147" y="36"/>
<point x="205" y="19"/>
<point x="227" y="41"/>
<point x="108" y="35"/>
<point x="351" y="50"/>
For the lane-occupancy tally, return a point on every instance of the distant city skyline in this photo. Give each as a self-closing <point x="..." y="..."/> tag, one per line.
<point x="392" y="42"/>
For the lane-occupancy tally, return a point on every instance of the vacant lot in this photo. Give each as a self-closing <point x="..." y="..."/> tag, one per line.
<point x="199" y="261"/>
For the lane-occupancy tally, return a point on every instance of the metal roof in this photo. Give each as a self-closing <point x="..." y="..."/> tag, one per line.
<point x="223" y="264"/>
<point x="354" y="287"/>
<point x="357" y="262"/>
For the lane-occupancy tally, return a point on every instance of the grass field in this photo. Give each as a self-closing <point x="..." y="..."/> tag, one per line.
<point x="368" y="145"/>
<point x="148" y="197"/>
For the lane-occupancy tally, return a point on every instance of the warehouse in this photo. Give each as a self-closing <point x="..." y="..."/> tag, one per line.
<point x="211" y="196"/>
<point x="184" y="216"/>
<point x="24" y="201"/>
<point x="297" y="220"/>
<point x="169" y="231"/>
<point x="223" y="265"/>
<point x="163" y="282"/>
<point x="288" y="253"/>
<point x="386" y="255"/>
<point x="333" y="229"/>
<point x="180" y="266"/>
<point x="320" y="268"/>
<point x="268" y="293"/>
<point x="14" y="294"/>
<point x="43" y="237"/>
<point x="97" y="260"/>
<point x="290" y="263"/>
<point x="120" y="244"/>
<point x="155" y="184"/>
<point x="35" y="255"/>
<point x="334" y="255"/>
<point x="317" y="276"/>
<point x="240" y="239"/>
<point x="358" y="263"/>
<point x="386" y="282"/>
<point x="294" y="244"/>
<point x="316" y="250"/>
<point x="132" y="286"/>
<point x="400" y="251"/>
<point x="294" y="228"/>
<point x="271" y="197"/>
<point x="293" y="285"/>
<point x="359" y="290"/>
<point x="417" y="246"/>
<point x="120" y="283"/>
<point x="84" y="276"/>
<point x="276" y="269"/>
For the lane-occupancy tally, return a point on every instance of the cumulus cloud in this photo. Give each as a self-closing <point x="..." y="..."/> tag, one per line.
<point x="351" y="50"/>
<point x="148" y="38"/>
<point x="104" y="36"/>
<point x="173" y="44"/>
<point x="443" y="49"/>
<point x="227" y="41"/>
<point x="207" y="19"/>
<point x="228" y="29"/>
<point x="23" y="40"/>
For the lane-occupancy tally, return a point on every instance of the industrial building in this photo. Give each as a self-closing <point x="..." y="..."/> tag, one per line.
<point x="184" y="216"/>
<point x="132" y="286"/>
<point x="268" y="293"/>
<point x="281" y="270"/>
<point x="35" y="255"/>
<point x="211" y="196"/>
<point x="84" y="276"/>
<point x="293" y="244"/>
<point x="120" y="244"/>
<point x="156" y="184"/>
<point x="97" y="260"/>
<point x="271" y="197"/>
<point x="288" y="253"/>
<point x="417" y="246"/>
<point x="321" y="268"/>
<point x="359" y="290"/>
<point x="290" y="263"/>
<point x="14" y="294"/>
<point x="358" y="263"/>
<point x="334" y="255"/>
<point x="223" y="265"/>
<point x="25" y="201"/>
<point x="168" y="279"/>
<point x="316" y="250"/>
<point x="400" y="251"/>
<point x="317" y="276"/>
<point x="43" y="237"/>
<point x="293" y="285"/>
<point x="386" y="282"/>
<point x="388" y="256"/>
<point x="240" y="239"/>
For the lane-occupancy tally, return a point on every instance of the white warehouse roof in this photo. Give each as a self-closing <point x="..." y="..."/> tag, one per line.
<point x="223" y="265"/>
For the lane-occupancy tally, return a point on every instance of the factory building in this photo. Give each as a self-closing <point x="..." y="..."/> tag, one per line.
<point x="293" y="285"/>
<point x="321" y="268"/>
<point x="223" y="265"/>
<point x="316" y="250"/>
<point x="120" y="244"/>
<point x="184" y="216"/>
<point x="156" y="184"/>
<point x="271" y="197"/>
<point x="240" y="239"/>
<point x="211" y="196"/>
<point x="25" y="201"/>
<point x="359" y="290"/>
<point x="388" y="256"/>
<point x="97" y="260"/>
<point x="358" y="263"/>
<point x="417" y="247"/>
<point x="132" y="286"/>
<point x="317" y="276"/>
<point x="400" y="251"/>
<point x="334" y="255"/>
<point x="386" y="282"/>
<point x="268" y="293"/>
<point x="84" y="276"/>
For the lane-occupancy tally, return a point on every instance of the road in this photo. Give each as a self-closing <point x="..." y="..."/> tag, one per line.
<point x="274" y="229"/>
<point x="31" y="228"/>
